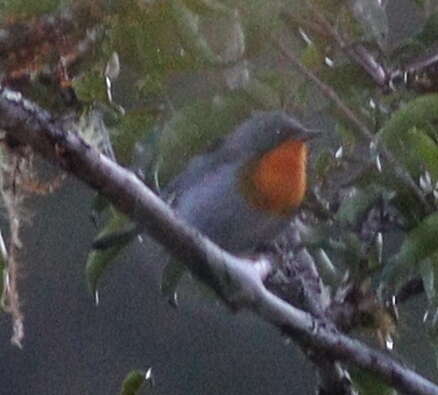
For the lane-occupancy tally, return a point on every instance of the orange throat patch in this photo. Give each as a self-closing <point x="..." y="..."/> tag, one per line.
<point x="277" y="181"/>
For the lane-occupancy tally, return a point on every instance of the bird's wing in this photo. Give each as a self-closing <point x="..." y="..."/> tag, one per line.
<point x="199" y="167"/>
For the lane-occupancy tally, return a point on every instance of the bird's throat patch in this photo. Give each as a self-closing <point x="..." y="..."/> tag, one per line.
<point x="276" y="182"/>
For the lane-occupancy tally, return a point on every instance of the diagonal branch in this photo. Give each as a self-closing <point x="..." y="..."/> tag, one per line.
<point x="386" y="77"/>
<point x="356" y="52"/>
<point x="235" y="280"/>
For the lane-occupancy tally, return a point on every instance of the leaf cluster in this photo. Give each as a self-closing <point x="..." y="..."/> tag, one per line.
<point x="191" y="70"/>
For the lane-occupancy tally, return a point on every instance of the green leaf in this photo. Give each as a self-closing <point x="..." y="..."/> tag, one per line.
<point x="403" y="134"/>
<point x="90" y="87"/>
<point x="133" y="127"/>
<point x="419" y="112"/>
<point x="147" y="39"/>
<point x="348" y="136"/>
<point x="313" y="57"/>
<point x="189" y="28"/>
<point x="99" y="260"/>
<point x="133" y="383"/>
<point x="420" y="243"/>
<point x="346" y="79"/>
<point x="170" y="278"/>
<point x="369" y="384"/>
<point x="424" y="151"/>
<point x="429" y="275"/>
<point x="324" y="162"/>
<point x="99" y="203"/>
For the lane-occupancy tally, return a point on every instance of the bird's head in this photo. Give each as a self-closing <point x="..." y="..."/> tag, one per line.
<point x="275" y="176"/>
<point x="264" y="131"/>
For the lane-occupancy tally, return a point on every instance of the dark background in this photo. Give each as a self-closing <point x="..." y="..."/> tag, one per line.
<point x="72" y="346"/>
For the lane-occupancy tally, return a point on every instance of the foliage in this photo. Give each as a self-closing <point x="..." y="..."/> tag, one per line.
<point x="136" y="381"/>
<point x="191" y="70"/>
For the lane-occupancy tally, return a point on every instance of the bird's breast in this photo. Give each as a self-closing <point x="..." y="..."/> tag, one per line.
<point x="276" y="181"/>
<point x="217" y="207"/>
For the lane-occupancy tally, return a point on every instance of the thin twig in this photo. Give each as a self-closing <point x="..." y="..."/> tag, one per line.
<point x="385" y="77"/>
<point x="325" y="89"/>
<point x="351" y="116"/>
<point x="357" y="52"/>
<point x="234" y="279"/>
<point x="379" y="74"/>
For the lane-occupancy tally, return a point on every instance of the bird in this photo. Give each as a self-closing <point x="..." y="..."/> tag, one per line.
<point x="244" y="192"/>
